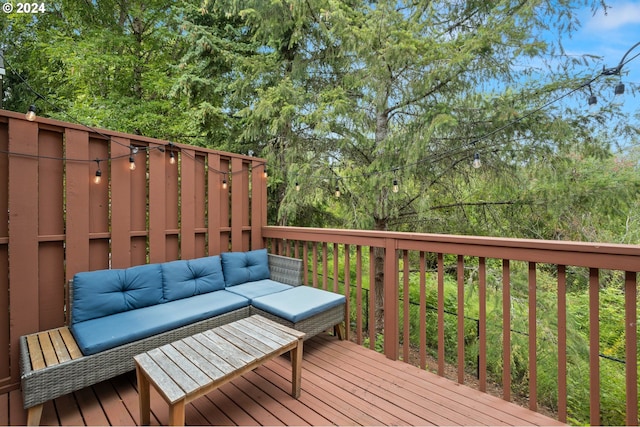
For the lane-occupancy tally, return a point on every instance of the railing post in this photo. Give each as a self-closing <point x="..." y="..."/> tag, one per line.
<point x="391" y="327"/>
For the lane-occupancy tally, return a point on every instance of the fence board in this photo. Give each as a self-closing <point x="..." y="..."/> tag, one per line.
<point x="77" y="200"/>
<point x="237" y="205"/>
<point x="199" y="213"/>
<point x="139" y="207"/>
<point x="258" y="199"/>
<point x="4" y="251"/>
<point x="159" y="168"/>
<point x="121" y="197"/>
<point x="23" y="232"/>
<point x="187" y="205"/>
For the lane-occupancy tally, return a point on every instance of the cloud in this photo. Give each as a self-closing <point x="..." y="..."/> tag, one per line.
<point x="618" y="15"/>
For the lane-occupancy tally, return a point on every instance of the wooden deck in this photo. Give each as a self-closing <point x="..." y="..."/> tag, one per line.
<point x="342" y="384"/>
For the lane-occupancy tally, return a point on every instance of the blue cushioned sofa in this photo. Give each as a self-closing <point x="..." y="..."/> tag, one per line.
<point x="116" y="314"/>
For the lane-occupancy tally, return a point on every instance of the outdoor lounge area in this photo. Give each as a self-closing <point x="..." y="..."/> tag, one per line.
<point x="415" y="371"/>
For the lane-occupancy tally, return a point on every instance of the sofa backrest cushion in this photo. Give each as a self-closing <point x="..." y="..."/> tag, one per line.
<point x="104" y="292"/>
<point x="186" y="278"/>
<point x="243" y="267"/>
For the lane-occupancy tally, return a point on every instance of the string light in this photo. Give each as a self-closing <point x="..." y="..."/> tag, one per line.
<point x="592" y="98"/>
<point x="395" y="188"/>
<point x="297" y="186"/>
<point x="31" y="113"/>
<point x="265" y="174"/>
<point x="224" y="184"/>
<point x="476" y="161"/>
<point x="337" y="192"/>
<point x="132" y="162"/>
<point x="98" y="178"/>
<point x="615" y="71"/>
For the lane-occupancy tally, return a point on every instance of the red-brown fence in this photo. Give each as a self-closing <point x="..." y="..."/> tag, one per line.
<point x="180" y="202"/>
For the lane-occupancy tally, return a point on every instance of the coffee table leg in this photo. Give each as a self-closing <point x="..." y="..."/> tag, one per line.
<point x="143" y="397"/>
<point x="176" y="413"/>
<point x="296" y="369"/>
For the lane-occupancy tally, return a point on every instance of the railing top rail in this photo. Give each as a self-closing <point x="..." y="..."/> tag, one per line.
<point x="585" y="254"/>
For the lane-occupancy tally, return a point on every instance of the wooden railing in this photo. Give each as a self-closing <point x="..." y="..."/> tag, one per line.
<point x="506" y="269"/>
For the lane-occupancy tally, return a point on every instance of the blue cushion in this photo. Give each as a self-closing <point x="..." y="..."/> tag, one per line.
<point x="298" y="303"/>
<point x="258" y="288"/>
<point x="243" y="267"/>
<point x="104" y="292"/>
<point x="186" y="278"/>
<point x="101" y="334"/>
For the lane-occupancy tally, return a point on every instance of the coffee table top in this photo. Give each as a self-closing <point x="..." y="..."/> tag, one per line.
<point x="185" y="367"/>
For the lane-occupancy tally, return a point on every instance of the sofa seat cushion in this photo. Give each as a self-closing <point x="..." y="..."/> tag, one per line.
<point x="258" y="288"/>
<point x="298" y="303"/>
<point x="186" y="278"/>
<point x="105" y="292"/>
<point x="103" y="333"/>
<point x="243" y="267"/>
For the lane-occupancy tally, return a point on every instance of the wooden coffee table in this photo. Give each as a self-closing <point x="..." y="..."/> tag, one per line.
<point x="192" y="367"/>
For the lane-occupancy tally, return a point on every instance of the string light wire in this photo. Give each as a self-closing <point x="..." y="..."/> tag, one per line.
<point x="171" y="146"/>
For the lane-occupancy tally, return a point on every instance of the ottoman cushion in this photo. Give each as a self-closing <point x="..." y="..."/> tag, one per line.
<point x="298" y="303"/>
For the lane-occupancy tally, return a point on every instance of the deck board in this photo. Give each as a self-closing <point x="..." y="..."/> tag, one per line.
<point x="342" y="384"/>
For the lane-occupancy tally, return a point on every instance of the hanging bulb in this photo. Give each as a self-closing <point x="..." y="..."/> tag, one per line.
<point x="132" y="163"/>
<point x="172" y="158"/>
<point x="338" y="191"/>
<point x="224" y="184"/>
<point x="31" y="113"/>
<point x="297" y="186"/>
<point x="396" y="188"/>
<point x="98" y="178"/>
<point x="592" y="100"/>
<point x="476" y="161"/>
<point x="265" y="174"/>
<point x="619" y="90"/>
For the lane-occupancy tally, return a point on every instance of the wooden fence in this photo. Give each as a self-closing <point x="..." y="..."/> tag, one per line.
<point x="179" y="202"/>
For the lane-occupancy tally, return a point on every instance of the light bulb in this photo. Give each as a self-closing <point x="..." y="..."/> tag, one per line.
<point x="172" y="158"/>
<point x="132" y="163"/>
<point x="476" y="161"/>
<point x="265" y="174"/>
<point x="98" y="178"/>
<point x="396" y="188"/>
<point x="224" y="184"/>
<point x="31" y="113"/>
<point x="338" y="191"/>
<point x="297" y="186"/>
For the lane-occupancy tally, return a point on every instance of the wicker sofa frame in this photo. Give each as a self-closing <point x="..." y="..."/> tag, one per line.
<point x="42" y="385"/>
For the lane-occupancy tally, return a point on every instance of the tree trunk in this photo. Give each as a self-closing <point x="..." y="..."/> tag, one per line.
<point x="378" y="260"/>
<point x="381" y="218"/>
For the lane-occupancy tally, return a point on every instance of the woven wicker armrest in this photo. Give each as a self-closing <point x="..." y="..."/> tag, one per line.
<point x="285" y="269"/>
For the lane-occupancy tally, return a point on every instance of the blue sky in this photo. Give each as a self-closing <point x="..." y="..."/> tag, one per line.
<point x="609" y="37"/>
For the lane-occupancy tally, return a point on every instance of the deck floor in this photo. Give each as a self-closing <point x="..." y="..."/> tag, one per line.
<point x="342" y="384"/>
